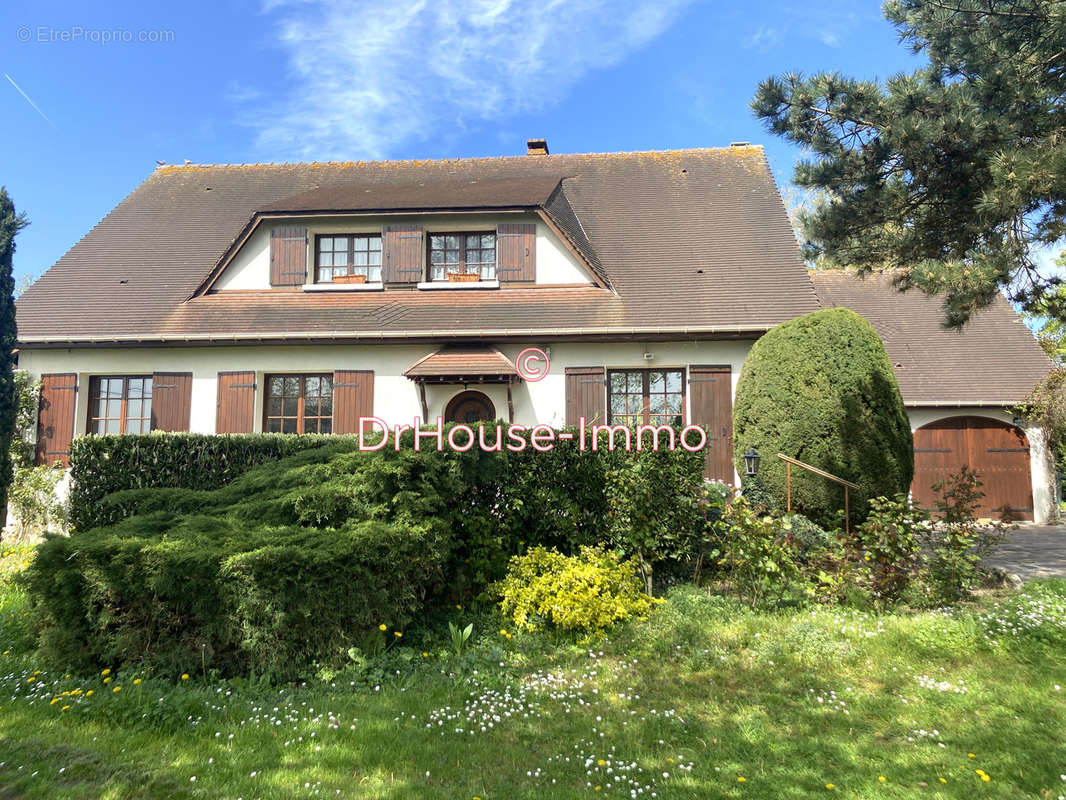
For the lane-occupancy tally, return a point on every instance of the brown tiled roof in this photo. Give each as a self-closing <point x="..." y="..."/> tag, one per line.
<point x="528" y="192"/>
<point x="993" y="360"/>
<point x="463" y="361"/>
<point x="693" y="241"/>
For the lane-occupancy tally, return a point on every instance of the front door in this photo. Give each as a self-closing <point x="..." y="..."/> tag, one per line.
<point x="470" y="407"/>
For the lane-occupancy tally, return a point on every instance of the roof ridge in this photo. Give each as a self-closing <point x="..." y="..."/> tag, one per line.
<point x="736" y="149"/>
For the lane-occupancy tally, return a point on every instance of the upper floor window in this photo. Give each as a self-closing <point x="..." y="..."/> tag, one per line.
<point x="354" y="258"/>
<point x="646" y="397"/>
<point x="120" y="404"/>
<point x="462" y="253"/>
<point x="299" y="404"/>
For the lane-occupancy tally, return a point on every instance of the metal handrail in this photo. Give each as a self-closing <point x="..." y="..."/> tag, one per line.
<point x="789" y="461"/>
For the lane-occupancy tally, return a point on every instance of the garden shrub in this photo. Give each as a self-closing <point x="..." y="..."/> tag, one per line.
<point x="756" y="493"/>
<point x="588" y="591"/>
<point x="820" y="388"/>
<point x="754" y="551"/>
<point x="890" y="547"/>
<point x="103" y="465"/>
<point x="957" y="543"/>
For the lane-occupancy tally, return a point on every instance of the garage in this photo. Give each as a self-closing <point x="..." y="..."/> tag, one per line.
<point x="997" y="451"/>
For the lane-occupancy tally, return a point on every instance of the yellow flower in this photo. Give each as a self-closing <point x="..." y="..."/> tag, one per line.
<point x="106" y="672"/>
<point x="882" y="778"/>
<point x="64" y="708"/>
<point x="397" y="634"/>
<point x="598" y="788"/>
<point x="829" y="786"/>
<point x="459" y="607"/>
<point x="185" y="676"/>
<point x="943" y="780"/>
<point x="601" y="762"/>
<point x="30" y="679"/>
<point x="6" y="652"/>
<point x="116" y="689"/>
<point x="54" y="701"/>
<point x="107" y="680"/>
<point x="383" y="627"/>
<point x="136" y="681"/>
<point x="741" y="779"/>
<point x="425" y="655"/>
<point x="503" y="632"/>
<point x="90" y="693"/>
<point x="507" y="635"/>
<point x="971" y="755"/>
<point x="669" y="761"/>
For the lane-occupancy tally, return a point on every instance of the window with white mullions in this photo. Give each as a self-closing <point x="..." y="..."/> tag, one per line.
<point x="645" y="397"/>
<point x="462" y="252"/>
<point x="354" y="254"/>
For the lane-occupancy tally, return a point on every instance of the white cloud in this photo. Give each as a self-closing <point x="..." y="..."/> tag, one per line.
<point x="765" y="38"/>
<point x="368" y="76"/>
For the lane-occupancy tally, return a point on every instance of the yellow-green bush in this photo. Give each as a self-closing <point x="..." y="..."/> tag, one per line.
<point x="588" y="591"/>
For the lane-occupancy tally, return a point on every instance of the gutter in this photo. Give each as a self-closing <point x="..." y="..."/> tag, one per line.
<point x="960" y="403"/>
<point x="473" y="333"/>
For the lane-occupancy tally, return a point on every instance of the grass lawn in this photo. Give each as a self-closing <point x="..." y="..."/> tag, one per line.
<point x="703" y="699"/>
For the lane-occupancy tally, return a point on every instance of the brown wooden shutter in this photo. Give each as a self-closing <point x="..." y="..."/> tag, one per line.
<point x="586" y="395"/>
<point x="402" y="256"/>
<point x="171" y="401"/>
<point x="353" y="397"/>
<point x="711" y="397"/>
<point x="55" y="418"/>
<point x="516" y="251"/>
<point x="288" y="256"/>
<point x="236" y="402"/>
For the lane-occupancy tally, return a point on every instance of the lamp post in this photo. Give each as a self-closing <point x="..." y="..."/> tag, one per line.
<point x="751" y="462"/>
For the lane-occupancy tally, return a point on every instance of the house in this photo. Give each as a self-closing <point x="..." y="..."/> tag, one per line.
<point x="303" y="297"/>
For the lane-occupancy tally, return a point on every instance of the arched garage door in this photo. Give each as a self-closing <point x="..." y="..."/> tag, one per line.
<point x="996" y="451"/>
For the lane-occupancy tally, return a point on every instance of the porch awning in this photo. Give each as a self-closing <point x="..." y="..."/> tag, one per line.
<point x="464" y="364"/>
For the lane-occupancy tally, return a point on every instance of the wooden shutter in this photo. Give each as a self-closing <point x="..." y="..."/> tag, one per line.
<point x="236" y="402"/>
<point x="586" y="395"/>
<point x="171" y="401"/>
<point x="516" y="251"/>
<point x="710" y="393"/>
<point x="288" y="256"/>
<point x="55" y="418"/>
<point x="353" y="397"/>
<point x="402" y="253"/>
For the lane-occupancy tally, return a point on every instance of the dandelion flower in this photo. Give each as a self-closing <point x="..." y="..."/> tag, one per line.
<point x="503" y="632"/>
<point x="64" y="708"/>
<point x="742" y="779"/>
<point x="106" y="672"/>
<point x="971" y="755"/>
<point x="881" y="778"/>
<point x="943" y="780"/>
<point x="600" y="762"/>
<point x="54" y="701"/>
<point x="830" y="786"/>
<point x="185" y="676"/>
<point x="90" y="693"/>
<point x="136" y="681"/>
<point x="117" y="689"/>
<point x="383" y="627"/>
<point x="425" y="655"/>
<point x="107" y="680"/>
<point x="397" y="634"/>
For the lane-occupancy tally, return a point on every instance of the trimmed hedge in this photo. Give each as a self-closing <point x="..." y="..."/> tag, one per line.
<point x="820" y="388"/>
<point x="101" y="465"/>
<point x="297" y="560"/>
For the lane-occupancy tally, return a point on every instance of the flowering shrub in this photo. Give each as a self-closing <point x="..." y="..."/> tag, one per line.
<point x="890" y="548"/>
<point x="756" y="553"/>
<point x="589" y="591"/>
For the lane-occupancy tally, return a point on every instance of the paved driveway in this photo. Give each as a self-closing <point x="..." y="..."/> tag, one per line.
<point x="1033" y="551"/>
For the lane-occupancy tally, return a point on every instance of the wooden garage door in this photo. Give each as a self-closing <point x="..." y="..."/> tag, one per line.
<point x="996" y="451"/>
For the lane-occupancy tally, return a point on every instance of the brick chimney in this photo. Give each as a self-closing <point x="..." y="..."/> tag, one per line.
<point x="536" y="147"/>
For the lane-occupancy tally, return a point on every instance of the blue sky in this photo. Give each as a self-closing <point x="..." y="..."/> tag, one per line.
<point x="88" y="108"/>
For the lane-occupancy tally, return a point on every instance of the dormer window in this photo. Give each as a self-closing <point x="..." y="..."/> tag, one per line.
<point x="348" y="258"/>
<point x="462" y="253"/>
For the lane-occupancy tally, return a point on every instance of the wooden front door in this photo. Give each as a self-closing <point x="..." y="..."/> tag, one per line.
<point x="470" y="407"/>
<point x="996" y="451"/>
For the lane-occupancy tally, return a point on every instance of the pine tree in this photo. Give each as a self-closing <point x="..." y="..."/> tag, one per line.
<point x="10" y="224"/>
<point x="953" y="175"/>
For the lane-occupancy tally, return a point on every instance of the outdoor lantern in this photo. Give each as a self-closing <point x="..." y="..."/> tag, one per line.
<point x="751" y="461"/>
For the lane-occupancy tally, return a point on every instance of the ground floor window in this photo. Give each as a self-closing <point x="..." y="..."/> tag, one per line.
<point x="646" y="396"/>
<point x="120" y="404"/>
<point x="299" y="404"/>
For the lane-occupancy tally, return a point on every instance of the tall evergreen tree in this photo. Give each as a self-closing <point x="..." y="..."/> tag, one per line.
<point x="954" y="174"/>
<point x="10" y="224"/>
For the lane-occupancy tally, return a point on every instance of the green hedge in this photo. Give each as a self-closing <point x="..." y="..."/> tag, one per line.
<point x="820" y="388"/>
<point x="299" y="559"/>
<point x="101" y="465"/>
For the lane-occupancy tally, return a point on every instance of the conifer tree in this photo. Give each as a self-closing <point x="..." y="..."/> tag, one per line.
<point x="10" y="224"/>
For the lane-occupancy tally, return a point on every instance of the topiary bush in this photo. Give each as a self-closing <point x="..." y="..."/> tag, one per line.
<point x="820" y="388"/>
<point x="589" y="591"/>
